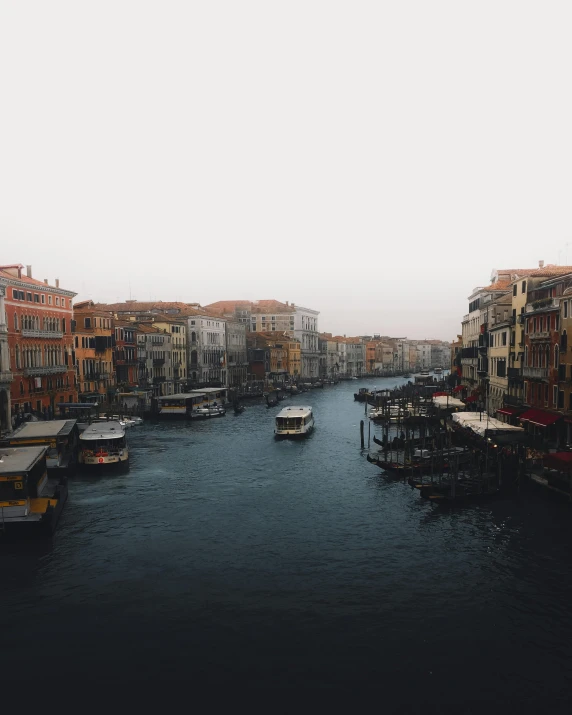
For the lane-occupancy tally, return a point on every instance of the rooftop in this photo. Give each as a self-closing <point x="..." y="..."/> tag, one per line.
<point x="14" y="460"/>
<point x="39" y="430"/>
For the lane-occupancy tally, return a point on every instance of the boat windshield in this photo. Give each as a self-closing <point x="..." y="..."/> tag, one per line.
<point x="107" y="445"/>
<point x="289" y="422"/>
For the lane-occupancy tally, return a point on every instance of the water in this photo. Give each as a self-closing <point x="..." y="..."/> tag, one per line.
<point x="239" y="559"/>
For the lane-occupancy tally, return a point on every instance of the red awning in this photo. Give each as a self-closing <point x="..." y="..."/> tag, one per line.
<point x="561" y="461"/>
<point x="458" y="388"/>
<point x="440" y="394"/>
<point x="539" y="417"/>
<point x="471" y="398"/>
<point x="509" y="411"/>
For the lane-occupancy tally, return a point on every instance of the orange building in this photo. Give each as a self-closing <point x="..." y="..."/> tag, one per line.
<point x="39" y="325"/>
<point x="93" y="351"/>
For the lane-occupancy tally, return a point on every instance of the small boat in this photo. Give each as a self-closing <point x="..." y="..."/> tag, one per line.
<point x="272" y="398"/>
<point x="238" y="409"/>
<point x="294" y="421"/>
<point x="205" y="413"/>
<point x="438" y="370"/>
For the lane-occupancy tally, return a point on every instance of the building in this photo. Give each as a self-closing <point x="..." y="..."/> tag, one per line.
<point x="236" y="352"/>
<point x="274" y="316"/>
<point x="93" y="352"/>
<point x="125" y="354"/>
<point x="501" y="342"/>
<point x="154" y="354"/>
<point x="205" y="336"/>
<point x="273" y="356"/>
<point x="355" y="357"/>
<point x="39" y="323"/>
<point x="177" y="327"/>
<point x="5" y="373"/>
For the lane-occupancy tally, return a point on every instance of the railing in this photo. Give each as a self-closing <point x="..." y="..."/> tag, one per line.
<point x="539" y="334"/>
<point x="6" y="376"/>
<point x="535" y="373"/>
<point x="30" y="333"/>
<point x="469" y="352"/>
<point x="537" y="306"/>
<point x="44" y="370"/>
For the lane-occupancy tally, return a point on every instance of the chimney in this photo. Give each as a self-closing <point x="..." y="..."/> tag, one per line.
<point x="29" y="271"/>
<point x="57" y="282"/>
<point x="541" y="264"/>
<point x="19" y="271"/>
<point x="46" y="281"/>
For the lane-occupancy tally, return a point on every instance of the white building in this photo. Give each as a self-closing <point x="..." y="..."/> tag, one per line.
<point x="306" y="331"/>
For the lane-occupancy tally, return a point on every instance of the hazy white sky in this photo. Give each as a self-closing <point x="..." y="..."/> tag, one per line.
<point x="372" y="160"/>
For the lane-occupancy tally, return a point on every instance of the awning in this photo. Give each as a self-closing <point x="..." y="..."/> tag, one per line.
<point x="459" y="388"/>
<point x="561" y="461"/>
<point x="539" y="418"/>
<point x="510" y="411"/>
<point x="471" y="398"/>
<point x="440" y="394"/>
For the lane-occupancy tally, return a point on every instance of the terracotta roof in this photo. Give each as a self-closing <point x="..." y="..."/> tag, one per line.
<point x="30" y="281"/>
<point x="257" y="306"/>
<point x="550" y="271"/>
<point x="499" y="285"/>
<point x="158" y="307"/>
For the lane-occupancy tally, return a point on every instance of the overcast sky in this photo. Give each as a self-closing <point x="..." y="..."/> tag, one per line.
<point x="372" y="160"/>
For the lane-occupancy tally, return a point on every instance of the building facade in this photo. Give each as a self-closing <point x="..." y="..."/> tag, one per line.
<point x="125" y="354"/>
<point x="5" y="372"/>
<point x="39" y="328"/>
<point x="236" y="353"/>
<point x="154" y="354"/>
<point x="93" y="352"/>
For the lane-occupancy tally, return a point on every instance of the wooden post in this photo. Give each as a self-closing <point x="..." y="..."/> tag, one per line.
<point x="368" y="434"/>
<point x="361" y="433"/>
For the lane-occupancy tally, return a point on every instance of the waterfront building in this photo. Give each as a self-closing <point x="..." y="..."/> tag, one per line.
<point x="39" y="329"/>
<point x="176" y="373"/>
<point x="274" y="316"/>
<point x="125" y="354"/>
<point x="154" y="355"/>
<point x="93" y="352"/>
<point x="330" y="356"/>
<point x="272" y="356"/>
<point x="236" y="352"/>
<point x="455" y="357"/>
<point x="501" y="343"/>
<point x="5" y="373"/>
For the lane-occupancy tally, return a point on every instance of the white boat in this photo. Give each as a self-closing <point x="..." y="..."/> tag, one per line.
<point x="294" y="421"/>
<point x="125" y="421"/>
<point x="204" y="413"/>
<point x="103" y="443"/>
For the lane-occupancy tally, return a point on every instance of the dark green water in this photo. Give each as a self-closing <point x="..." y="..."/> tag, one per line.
<point x="227" y="557"/>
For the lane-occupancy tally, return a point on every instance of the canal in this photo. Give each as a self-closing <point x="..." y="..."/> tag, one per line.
<point x="226" y="557"/>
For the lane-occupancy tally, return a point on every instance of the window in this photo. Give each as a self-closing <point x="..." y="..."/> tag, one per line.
<point x="87" y="322"/>
<point x="523" y="287"/>
<point x="57" y="300"/>
<point x="29" y="297"/>
<point x="49" y="300"/>
<point x="556" y="356"/>
<point x="36" y="298"/>
<point x="565" y="308"/>
<point x="15" y="322"/>
<point x="43" y="299"/>
<point x="554" y="396"/>
<point x="514" y="289"/>
<point x="63" y="302"/>
<point x="504" y="337"/>
<point x="545" y="393"/>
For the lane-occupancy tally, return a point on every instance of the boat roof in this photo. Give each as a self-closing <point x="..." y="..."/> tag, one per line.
<point x="19" y="459"/>
<point x="41" y="430"/>
<point x="295" y="411"/>
<point x="192" y="393"/>
<point x="103" y="430"/>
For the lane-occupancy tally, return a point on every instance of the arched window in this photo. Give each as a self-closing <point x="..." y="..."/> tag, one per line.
<point x="17" y="355"/>
<point x="15" y="322"/>
<point x="526" y="356"/>
<point x="556" y="356"/>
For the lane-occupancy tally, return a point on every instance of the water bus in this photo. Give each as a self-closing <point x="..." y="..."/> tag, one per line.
<point x="294" y="421"/>
<point x="30" y="500"/>
<point x="196" y="404"/>
<point x="103" y="444"/>
<point x="60" y="436"/>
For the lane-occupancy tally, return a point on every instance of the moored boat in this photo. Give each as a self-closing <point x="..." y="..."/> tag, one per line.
<point x="103" y="444"/>
<point x="294" y="421"/>
<point x="60" y="436"/>
<point x="30" y="500"/>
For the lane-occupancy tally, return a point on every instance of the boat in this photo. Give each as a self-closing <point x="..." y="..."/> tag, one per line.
<point x="272" y="398"/>
<point x="438" y="370"/>
<point x="30" y="500"/>
<point x="103" y="444"/>
<point x="294" y="421"/>
<point x="59" y="436"/>
<point x="205" y="413"/>
<point x="238" y="409"/>
<point x="361" y="395"/>
<point x="188" y="405"/>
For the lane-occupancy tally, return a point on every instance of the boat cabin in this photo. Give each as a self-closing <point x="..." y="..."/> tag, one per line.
<point x="103" y="443"/>
<point x="294" y="421"/>
<point x="186" y="404"/>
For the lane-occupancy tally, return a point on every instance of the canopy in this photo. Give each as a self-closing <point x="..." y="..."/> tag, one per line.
<point x="446" y="401"/>
<point x="540" y="418"/>
<point x="509" y="411"/>
<point x="471" y="398"/>
<point x="480" y="423"/>
<point x="561" y="461"/>
<point x="459" y="388"/>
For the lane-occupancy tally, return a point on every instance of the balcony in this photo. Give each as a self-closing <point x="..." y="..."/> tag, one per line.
<point x="157" y="362"/>
<point x="44" y="370"/>
<point x="6" y="376"/>
<point x="535" y="373"/>
<point x="541" y="305"/>
<point x="514" y="374"/>
<point x="540" y="335"/>
<point x="55" y="335"/>
<point x="512" y="400"/>
<point x="469" y="353"/>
